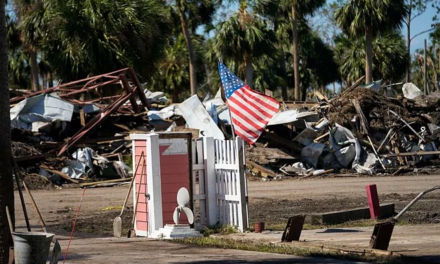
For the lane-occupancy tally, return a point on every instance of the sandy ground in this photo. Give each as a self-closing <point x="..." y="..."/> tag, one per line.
<point x="272" y="202"/>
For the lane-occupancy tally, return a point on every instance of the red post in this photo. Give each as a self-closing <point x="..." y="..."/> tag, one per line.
<point x="373" y="201"/>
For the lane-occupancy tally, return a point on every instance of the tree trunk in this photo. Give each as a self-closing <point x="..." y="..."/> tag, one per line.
<point x="434" y="71"/>
<point x="192" y="57"/>
<point x="34" y="70"/>
<point x="369" y="55"/>
<point x="303" y="94"/>
<point x="6" y="185"/>
<point x="249" y="71"/>
<point x="408" y="43"/>
<point x="295" y="53"/>
<point x="282" y="62"/>
<point x="44" y="80"/>
<point x="284" y="74"/>
<point x="50" y="79"/>
<point x="175" y="96"/>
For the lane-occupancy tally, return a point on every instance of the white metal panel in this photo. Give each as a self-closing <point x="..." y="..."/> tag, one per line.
<point x="197" y="117"/>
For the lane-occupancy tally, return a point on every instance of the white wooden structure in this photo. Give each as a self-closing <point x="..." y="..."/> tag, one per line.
<point x="212" y="169"/>
<point x="219" y="183"/>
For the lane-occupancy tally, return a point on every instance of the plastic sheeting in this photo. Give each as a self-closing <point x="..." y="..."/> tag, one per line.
<point x="44" y="109"/>
<point x="343" y="141"/>
<point x="411" y="91"/>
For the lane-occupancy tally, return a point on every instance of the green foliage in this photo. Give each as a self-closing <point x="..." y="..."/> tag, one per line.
<point x="82" y="38"/>
<point x="389" y="56"/>
<point x="19" y="70"/>
<point x="381" y="16"/>
<point x="218" y="229"/>
<point x="241" y="35"/>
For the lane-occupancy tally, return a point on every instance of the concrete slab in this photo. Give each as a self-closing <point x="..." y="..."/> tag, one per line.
<point x="143" y="250"/>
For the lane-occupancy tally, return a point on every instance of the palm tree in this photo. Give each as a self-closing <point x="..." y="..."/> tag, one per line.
<point x="191" y="14"/>
<point x="389" y="56"/>
<point x="172" y="76"/>
<point x="242" y="39"/>
<point x="19" y="70"/>
<point x="90" y="37"/>
<point x="279" y="18"/>
<point x="299" y="9"/>
<point x="29" y="24"/>
<point x="369" y="18"/>
<point x="6" y="185"/>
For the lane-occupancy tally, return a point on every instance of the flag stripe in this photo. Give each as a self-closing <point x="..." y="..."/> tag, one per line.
<point x="243" y="122"/>
<point x="262" y="99"/>
<point x="241" y="106"/>
<point x="244" y="135"/>
<point x="252" y="106"/>
<point x="250" y="110"/>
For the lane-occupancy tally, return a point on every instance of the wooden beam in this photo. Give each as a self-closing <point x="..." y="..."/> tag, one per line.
<point x="260" y="169"/>
<point x="406" y="154"/>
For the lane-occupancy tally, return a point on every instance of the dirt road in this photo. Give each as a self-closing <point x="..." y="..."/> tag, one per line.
<point x="272" y="202"/>
<point x="275" y="201"/>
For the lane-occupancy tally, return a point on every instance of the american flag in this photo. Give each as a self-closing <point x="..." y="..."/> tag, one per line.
<point x="250" y="110"/>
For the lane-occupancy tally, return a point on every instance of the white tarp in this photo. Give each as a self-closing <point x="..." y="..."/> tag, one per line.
<point x="288" y="116"/>
<point x="411" y="91"/>
<point x="155" y="97"/>
<point x="44" y="108"/>
<point x="197" y="117"/>
<point x="163" y="114"/>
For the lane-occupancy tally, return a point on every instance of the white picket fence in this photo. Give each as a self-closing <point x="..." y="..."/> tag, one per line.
<point x="219" y="183"/>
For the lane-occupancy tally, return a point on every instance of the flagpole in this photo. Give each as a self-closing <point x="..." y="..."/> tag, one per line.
<point x="230" y="115"/>
<point x="232" y="125"/>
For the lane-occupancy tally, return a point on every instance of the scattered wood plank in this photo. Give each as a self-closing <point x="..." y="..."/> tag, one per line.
<point x="59" y="173"/>
<point x="90" y="184"/>
<point x="354" y="86"/>
<point x="261" y="170"/>
<point x="34" y="157"/>
<point x="320" y="96"/>
<point x="406" y="154"/>
<point x="82" y="117"/>
<point x="316" y="140"/>
<point x="364" y="122"/>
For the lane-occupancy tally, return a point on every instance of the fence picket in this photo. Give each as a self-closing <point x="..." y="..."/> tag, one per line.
<point x="222" y="189"/>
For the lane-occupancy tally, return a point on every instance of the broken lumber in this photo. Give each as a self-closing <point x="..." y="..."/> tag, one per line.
<point x="354" y="86"/>
<point x="260" y="169"/>
<point x="59" y="173"/>
<point x="90" y="184"/>
<point x="406" y="154"/>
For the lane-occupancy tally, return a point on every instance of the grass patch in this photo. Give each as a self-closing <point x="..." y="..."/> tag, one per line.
<point x="218" y="229"/>
<point x="227" y="243"/>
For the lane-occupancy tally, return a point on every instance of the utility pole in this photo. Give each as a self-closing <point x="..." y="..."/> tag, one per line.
<point x="425" y="77"/>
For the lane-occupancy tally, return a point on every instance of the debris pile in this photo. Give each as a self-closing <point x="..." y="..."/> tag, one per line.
<point x="79" y="132"/>
<point x="361" y="130"/>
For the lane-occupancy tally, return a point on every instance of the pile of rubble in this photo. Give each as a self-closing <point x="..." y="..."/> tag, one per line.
<point x="359" y="131"/>
<point x="79" y="131"/>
